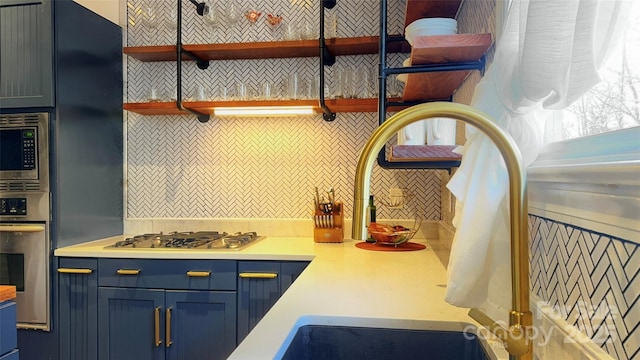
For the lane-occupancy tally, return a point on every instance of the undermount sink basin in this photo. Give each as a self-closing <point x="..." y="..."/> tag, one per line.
<point x="319" y="338"/>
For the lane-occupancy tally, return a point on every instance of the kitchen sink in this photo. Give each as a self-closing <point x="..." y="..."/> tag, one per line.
<point x="332" y="338"/>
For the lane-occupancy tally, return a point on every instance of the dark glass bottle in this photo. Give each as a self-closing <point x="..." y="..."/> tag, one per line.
<point x="371" y="214"/>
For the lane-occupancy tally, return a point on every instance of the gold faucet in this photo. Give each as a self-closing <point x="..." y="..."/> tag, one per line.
<point x="517" y="337"/>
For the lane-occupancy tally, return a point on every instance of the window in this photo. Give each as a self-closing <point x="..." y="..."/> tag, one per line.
<point x="614" y="103"/>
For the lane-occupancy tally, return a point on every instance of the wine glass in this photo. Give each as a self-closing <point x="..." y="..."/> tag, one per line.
<point x="172" y="19"/>
<point x="233" y="14"/>
<point x="149" y="16"/>
<point x="273" y="22"/>
<point x="212" y="18"/>
<point x="252" y="16"/>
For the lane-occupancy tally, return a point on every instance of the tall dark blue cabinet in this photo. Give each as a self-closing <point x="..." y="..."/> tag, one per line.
<point x="61" y="58"/>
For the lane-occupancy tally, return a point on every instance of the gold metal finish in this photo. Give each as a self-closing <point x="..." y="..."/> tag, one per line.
<point x="128" y="271"/>
<point x="156" y="322"/>
<point x="167" y="334"/>
<point x="246" y="275"/>
<point x="517" y="194"/>
<point x="74" y="271"/>
<point x="198" y="273"/>
<point x="22" y="228"/>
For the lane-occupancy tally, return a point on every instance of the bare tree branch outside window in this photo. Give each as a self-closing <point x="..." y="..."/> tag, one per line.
<point x="614" y="103"/>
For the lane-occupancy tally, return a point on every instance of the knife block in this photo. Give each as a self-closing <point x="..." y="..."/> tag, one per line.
<point x="333" y="234"/>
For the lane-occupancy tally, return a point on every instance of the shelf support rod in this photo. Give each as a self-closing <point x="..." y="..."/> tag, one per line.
<point x="325" y="59"/>
<point x="382" y="68"/>
<point x="203" y="118"/>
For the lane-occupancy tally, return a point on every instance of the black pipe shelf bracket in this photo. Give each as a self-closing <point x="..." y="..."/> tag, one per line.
<point x="326" y="59"/>
<point x="201" y="9"/>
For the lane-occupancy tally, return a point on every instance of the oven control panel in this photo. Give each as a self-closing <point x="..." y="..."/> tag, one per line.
<point x="13" y="206"/>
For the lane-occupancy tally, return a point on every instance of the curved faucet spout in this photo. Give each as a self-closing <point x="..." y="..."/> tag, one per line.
<point x="520" y="315"/>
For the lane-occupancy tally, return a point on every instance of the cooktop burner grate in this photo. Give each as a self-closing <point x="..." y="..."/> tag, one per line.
<point x="200" y="240"/>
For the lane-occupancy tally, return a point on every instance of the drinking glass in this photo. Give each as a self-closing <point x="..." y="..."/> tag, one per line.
<point x="241" y="91"/>
<point x="290" y="31"/>
<point x="172" y="19"/>
<point x="212" y="18"/>
<point x="267" y="90"/>
<point x="149" y="16"/>
<point x="294" y="86"/>
<point x="348" y="82"/>
<point x="232" y="13"/>
<point x="336" y="82"/>
<point x="223" y="93"/>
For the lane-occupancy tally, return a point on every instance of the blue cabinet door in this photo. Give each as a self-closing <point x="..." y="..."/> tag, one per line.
<point x="200" y="324"/>
<point x="131" y="324"/>
<point x="290" y="271"/>
<point x="26" y="54"/>
<point x="258" y="290"/>
<point x="78" y="308"/>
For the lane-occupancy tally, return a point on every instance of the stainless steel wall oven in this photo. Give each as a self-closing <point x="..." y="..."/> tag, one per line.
<point x="25" y="214"/>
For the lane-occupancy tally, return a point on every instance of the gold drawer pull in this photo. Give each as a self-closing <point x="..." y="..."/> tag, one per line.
<point x="128" y="271"/>
<point x="156" y="325"/>
<point x="74" y="271"/>
<point x="248" y="275"/>
<point x="199" y="273"/>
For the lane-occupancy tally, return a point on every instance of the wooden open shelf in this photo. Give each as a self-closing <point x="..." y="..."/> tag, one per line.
<point x="402" y="153"/>
<point x="418" y="9"/>
<point x="207" y="107"/>
<point x="442" y="49"/>
<point x="266" y="50"/>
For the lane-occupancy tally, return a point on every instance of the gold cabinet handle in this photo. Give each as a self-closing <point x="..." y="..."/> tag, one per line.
<point x="167" y="335"/>
<point x="157" y="326"/>
<point x="249" y="275"/>
<point x="128" y="271"/>
<point x="74" y="271"/>
<point x="199" y="273"/>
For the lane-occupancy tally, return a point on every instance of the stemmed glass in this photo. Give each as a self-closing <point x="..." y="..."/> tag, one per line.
<point x="252" y="16"/>
<point x="149" y="16"/>
<point x="172" y="19"/>
<point x="212" y="18"/>
<point x="273" y="22"/>
<point x="233" y="14"/>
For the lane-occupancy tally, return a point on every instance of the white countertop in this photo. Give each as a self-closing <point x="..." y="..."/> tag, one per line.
<point x="343" y="284"/>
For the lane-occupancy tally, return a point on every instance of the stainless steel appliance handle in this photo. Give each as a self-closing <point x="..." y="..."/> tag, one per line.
<point x="22" y="228"/>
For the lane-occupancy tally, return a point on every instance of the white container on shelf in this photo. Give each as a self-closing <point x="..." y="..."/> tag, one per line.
<point x="430" y="26"/>
<point x="412" y="134"/>
<point x="441" y="131"/>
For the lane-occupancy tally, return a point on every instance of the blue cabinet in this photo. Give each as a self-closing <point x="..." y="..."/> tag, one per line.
<point x="147" y="310"/>
<point x="8" y="333"/>
<point x="26" y="53"/>
<point x="78" y="308"/>
<point x="164" y="309"/>
<point x="260" y="285"/>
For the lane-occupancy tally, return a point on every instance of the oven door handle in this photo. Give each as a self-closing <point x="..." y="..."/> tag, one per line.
<point x="22" y="228"/>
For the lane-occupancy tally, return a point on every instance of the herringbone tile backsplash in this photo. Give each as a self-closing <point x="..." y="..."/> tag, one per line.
<point x="592" y="281"/>
<point x="253" y="167"/>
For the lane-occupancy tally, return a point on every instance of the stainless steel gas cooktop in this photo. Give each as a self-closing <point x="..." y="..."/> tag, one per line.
<point x="200" y="240"/>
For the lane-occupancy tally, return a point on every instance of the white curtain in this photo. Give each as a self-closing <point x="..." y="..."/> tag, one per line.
<point x="547" y="56"/>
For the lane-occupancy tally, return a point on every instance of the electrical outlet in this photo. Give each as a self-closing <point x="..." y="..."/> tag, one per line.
<point x="396" y="198"/>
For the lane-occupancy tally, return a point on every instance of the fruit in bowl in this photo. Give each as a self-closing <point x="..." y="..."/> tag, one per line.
<point x="390" y="234"/>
